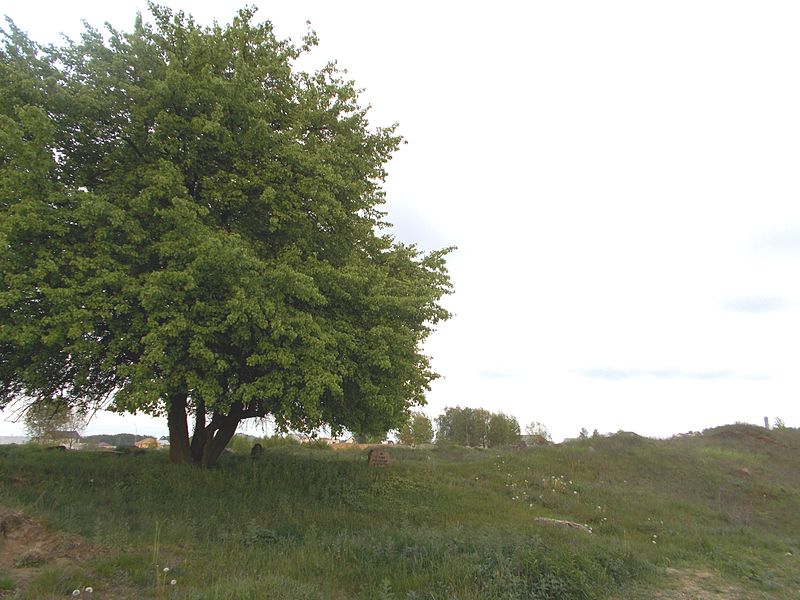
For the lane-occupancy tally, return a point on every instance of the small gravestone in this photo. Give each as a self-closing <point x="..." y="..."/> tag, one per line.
<point x="378" y="457"/>
<point x="256" y="451"/>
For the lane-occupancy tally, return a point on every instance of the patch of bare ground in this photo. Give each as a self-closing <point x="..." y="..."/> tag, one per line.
<point x="27" y="547"/>
<point x="686" y="584"/>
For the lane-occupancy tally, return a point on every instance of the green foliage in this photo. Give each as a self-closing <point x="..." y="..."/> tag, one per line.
<point x="7" y="583"/>
<point x="476" y="427"/>
<point x="503" y="430"/>
<point x="417" y="430"/>
<point x="463" y="426"/>
<point x="188" y="219"/>
<point x="116" y="439"/>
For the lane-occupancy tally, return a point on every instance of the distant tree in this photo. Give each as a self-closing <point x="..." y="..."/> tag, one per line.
<point x="595" y="433"/>
<point x="45" y="421"/>
<point x="463" y="426"/>
<point x="536" y="428"/>
<point x="191" y="226"/>
<point x="584" y="433"/>
<point x="503" y="430"/>
<point x="417" y="430"/>
<point x="779" y="423"/>
<point x="475" y="427"/>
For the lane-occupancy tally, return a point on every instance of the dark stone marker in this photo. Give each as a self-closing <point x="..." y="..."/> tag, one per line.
<point x="256" y="451"/>
<point x="378" y="457"/>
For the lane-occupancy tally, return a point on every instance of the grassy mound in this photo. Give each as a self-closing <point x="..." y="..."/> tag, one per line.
<point x="309" y="523"/>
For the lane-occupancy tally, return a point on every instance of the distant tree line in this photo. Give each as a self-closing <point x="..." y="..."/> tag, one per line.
<point x="473" y="427"/>
<point x="476" y="427"/>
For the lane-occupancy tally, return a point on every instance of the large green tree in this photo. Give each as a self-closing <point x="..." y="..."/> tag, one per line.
<point x="192" y="226"/>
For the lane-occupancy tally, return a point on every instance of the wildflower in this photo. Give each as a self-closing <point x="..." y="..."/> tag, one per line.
<point x="654" y="541"/>
<point x="173" y="582"/>
<point x="166" y="569"/>
<point x="76" y="592"/>
<point x="88" y="589"/>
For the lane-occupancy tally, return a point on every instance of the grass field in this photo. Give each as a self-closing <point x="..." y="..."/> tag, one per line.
<point x="669" y="519"/>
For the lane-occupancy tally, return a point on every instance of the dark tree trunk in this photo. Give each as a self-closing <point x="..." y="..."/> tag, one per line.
<point x="217" y="441"/>
<point x="179" y="451"/>
<point x="200" y="435"/>
<point x="210" y="438"/>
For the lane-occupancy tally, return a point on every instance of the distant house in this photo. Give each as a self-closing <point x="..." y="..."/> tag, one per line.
<point x="104" y="446"/>
<point x="148" y="442"/>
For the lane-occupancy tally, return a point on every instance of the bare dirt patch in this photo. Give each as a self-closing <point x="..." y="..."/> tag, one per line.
<point x="701" y="585"/>
<point x="27" y="546"/>
<point x="687" y="584"/>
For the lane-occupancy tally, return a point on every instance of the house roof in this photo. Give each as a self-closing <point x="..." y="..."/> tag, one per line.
<point x="67" y="435"/>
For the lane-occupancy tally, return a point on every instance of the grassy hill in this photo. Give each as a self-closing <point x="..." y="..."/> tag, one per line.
<point x="715" y="515"/>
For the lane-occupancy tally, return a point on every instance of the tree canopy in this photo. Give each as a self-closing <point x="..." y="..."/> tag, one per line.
<point x="417" y="430"/>
<point x="476" y="427"/>
<point x="190" y="224"/>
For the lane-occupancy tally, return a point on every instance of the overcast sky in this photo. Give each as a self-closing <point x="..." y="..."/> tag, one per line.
<point x="621" y="180"/>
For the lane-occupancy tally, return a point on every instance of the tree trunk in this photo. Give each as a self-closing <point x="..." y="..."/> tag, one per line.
<point x="179" y="451"/>
<point x="218" y="441"/>
<point x="200" y="436"/>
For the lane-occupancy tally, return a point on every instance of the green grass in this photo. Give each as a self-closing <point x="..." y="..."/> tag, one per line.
<point x="447" y="523"/>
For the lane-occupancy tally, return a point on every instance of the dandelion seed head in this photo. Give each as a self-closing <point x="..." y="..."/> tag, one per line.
<point x="173" y="582"/>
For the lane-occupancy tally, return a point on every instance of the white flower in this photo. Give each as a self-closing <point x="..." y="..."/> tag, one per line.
<point x="173" y="582"/>
<point x="76" y="592"/>
<point x="166" y="569"/>
<point x="88" y="590"/>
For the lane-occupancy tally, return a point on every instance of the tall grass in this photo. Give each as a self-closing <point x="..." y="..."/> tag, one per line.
<point x="445" y="523"/>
